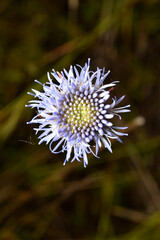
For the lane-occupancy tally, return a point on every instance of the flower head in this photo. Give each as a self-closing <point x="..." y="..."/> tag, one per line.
<point x="77" y="112"/>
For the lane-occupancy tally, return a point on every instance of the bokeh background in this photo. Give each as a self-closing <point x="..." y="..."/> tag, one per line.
<point x="116" y="196"/>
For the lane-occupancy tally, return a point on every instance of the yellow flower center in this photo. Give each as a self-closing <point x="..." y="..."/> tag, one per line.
<point x="79" y="114"/>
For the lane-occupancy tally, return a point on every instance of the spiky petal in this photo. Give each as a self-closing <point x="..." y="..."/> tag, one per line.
<point x="76" y="111"/>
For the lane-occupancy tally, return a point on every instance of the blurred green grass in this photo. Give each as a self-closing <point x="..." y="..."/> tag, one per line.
<point x="116" y="196"/>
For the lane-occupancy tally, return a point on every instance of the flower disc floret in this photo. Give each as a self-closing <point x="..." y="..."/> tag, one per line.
<point x="76" y="111"/>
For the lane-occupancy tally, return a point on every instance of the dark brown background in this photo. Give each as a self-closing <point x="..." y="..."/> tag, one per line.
<point x="116" y="196"/>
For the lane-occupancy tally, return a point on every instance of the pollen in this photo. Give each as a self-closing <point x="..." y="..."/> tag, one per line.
<point x="80" y="113"/>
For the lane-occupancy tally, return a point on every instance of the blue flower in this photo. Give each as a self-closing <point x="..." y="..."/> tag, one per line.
<point x="76" y="112"/>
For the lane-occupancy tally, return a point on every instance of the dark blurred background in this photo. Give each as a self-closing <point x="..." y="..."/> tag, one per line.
<point x="116" y="196"/>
